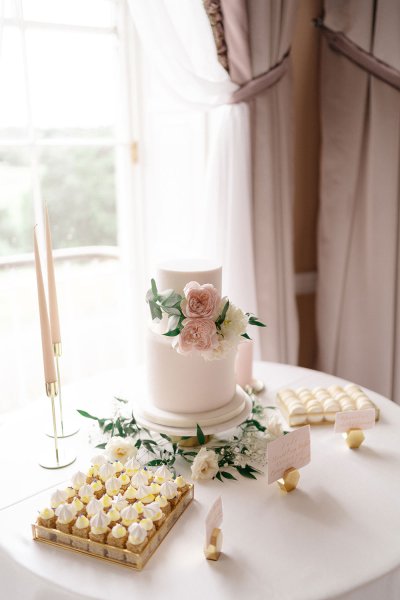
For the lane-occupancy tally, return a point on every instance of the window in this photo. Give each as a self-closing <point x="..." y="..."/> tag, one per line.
<point x="65" y="140"/>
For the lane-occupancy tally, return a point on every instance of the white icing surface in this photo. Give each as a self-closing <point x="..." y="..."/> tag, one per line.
<point x="187" y="384"/>
<point x="175" y="274"/>
<point x="205" y="418"/>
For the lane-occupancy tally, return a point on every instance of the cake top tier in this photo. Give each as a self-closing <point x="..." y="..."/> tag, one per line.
<point x="175" y="274"/>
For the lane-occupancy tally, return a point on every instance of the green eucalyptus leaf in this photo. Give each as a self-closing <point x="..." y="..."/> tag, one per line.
<point x="154" y="289"/>
<point x="244" y="472"/>
<point x="200" y="435"/>
<point x="101" y="446"/>
<point x="155" y="311"/>
<point x="173" y="299"/>
<point x="170" y="310"/>
<point x="156" y="462"/>
<point x="218" y="476"/>
<point x="87" y="415"/>
<point x="246" y="335"/>
<point x="164" y="295"/>
<point x="172" y="333"/>
<point x="255" y="423"/>
<point x="121" y="400"/>
<point x="227" y="475"/>
<point x="150" y="296"/>
<point x="148" y="447"/>
<point x="165" y="436"/>
<point x="253" y="320"/>
<point x="222" y="316"/>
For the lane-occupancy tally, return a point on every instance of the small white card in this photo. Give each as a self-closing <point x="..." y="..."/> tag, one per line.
<point x="355" y="419"/>
<point x="292" y="450"/>
<point x="214" y="518"/>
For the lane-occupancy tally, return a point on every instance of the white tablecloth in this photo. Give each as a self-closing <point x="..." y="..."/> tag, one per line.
<point x="336" y="536"/>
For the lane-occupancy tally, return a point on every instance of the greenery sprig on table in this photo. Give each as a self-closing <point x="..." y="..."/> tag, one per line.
<point x="233" y="456"/>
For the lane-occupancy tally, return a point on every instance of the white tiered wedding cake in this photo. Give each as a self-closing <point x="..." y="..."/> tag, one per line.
<point x="191" y="348"/>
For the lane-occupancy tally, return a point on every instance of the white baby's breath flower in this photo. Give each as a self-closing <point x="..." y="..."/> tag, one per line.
<point x="121" y="449"/>
<point x="274" y="427"/>
<point x="205" y="465"/>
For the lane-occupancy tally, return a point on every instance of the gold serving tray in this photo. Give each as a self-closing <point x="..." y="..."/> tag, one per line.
<point x="328" y="417"/>
<point x="109" y="553"/>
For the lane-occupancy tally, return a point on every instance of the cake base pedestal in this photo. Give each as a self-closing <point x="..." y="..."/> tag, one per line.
<point x="211" y="422"/>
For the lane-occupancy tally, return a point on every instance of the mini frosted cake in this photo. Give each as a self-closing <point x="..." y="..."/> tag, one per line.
<point x="119" y="519"/>
<point x="320" y="405"/>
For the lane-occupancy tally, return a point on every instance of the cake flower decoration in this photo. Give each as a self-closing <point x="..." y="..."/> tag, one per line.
<point x="205" y="465"/>
<point x="200" y="320"/>
<point x="121" y="449"/>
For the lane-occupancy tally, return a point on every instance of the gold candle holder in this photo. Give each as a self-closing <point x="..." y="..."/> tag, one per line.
<point x="289" y="481"/>
<point x="354" y="438"/>
<point x="212" y="551"/>
<point x="58" y="460"/>
<point x="66" y="428"/>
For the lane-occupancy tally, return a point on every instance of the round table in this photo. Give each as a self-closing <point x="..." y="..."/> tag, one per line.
<point x="335" y="536"/>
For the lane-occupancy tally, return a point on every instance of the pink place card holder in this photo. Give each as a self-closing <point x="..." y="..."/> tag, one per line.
<point x="354" y="419"/>
<point x="292" y="450"/>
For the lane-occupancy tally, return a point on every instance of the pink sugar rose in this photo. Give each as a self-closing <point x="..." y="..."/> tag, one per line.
<point x="201" y="301"/>
<point x="197" y="334"/>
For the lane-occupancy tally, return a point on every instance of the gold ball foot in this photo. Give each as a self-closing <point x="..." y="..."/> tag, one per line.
<point x="189" y="442"/>
<point x="213" y="550"/>
<point x="289" y="481"/>
<point x="354" y="438"/>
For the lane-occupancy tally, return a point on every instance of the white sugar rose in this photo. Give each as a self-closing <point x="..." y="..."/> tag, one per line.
<point x="274" y="427"/>
<point x="121" y="449"/>
<point x="205" y="465"/>
<point x="235" y="323"/>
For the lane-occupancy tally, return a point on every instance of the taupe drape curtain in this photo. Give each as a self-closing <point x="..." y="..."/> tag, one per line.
<point x="358" y="305"/>
<point x="258" y="36"/>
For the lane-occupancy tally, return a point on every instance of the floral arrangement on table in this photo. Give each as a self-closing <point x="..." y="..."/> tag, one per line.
<point x="200" y="320"/>
<point x="244" y="452"/>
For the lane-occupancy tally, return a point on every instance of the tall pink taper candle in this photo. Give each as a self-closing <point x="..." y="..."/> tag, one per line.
<point x="244" y="363"/>
<point x="47" y="347"/>
<point x="51" y="282"/>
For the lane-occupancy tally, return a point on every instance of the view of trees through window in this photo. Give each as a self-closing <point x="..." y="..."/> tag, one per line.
<point x="61" y="105"/>
<point x="78" y="185"/>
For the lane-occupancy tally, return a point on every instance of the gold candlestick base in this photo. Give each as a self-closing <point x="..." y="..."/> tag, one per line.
<point x="354" y="438"/>
<point x="55" y="459"/>
<point x="66" y="427"/>
<point x="213" y="550"/>
<point x="189" y="442"/>
<point x="289" y="481"/>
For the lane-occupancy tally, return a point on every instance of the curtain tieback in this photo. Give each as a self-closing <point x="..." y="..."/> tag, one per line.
<point x="261" y="83"/>
<point x="339" y="42"/>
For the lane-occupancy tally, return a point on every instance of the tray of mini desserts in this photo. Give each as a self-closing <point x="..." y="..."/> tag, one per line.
<point x="115" y="512"/>
<point x="319" y="406"/>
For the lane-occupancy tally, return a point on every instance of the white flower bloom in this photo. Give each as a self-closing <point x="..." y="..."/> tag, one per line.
<point x="274" y="427"/>
<point x="235" y="323"/>
<point x="205" y="465"/>
<point x="121" y="449"/>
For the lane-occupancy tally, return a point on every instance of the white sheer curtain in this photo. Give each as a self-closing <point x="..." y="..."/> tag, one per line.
<point x="196" y="155"/>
